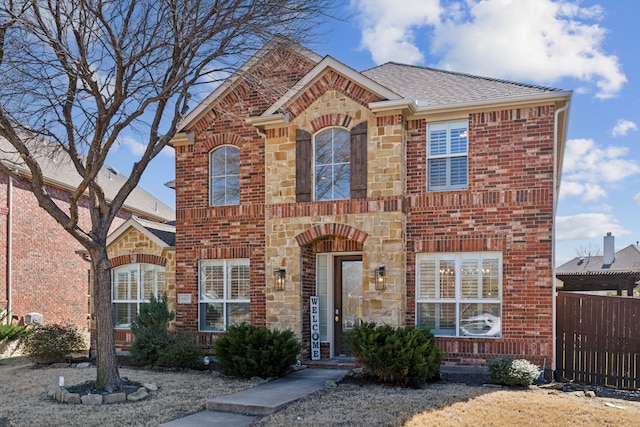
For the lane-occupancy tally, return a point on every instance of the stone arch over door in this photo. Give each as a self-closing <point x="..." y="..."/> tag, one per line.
<point x="323" y="238"/>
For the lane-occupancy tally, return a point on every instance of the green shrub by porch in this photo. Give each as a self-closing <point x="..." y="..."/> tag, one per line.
<point x="405" y="356"/>
<point x="150" y="328"/>
<point x="248" y="351"/>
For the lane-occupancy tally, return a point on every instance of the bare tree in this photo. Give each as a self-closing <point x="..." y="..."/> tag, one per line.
<point x="587" y="250"/>
<point x="84" y="73"/>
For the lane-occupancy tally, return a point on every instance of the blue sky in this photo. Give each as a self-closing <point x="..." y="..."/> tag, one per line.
<point x="586" y="46"/>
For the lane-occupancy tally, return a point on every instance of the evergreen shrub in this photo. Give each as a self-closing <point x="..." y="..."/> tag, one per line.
<point x="408" y="357"/>
<point x="150" y="328"/>
<point x="52" y="343"/>
<point x="248" y="351"/>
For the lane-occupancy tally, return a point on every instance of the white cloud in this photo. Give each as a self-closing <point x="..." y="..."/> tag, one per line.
<point x="587" y="162"/>
<point x="587" y="192"/>
<point x="636" y="198"/>
<point x="388" y="27"/>
<point x="137" y="148"/>
<point x="587" y="226"/>
<point x="540" y="41"/>
<point x="623" y="127"/>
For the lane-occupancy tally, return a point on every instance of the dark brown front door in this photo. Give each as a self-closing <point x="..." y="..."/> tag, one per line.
<point x="348" y="295"/>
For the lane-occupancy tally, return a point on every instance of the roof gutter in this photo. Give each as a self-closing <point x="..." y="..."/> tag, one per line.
<point x="556" y="179"/>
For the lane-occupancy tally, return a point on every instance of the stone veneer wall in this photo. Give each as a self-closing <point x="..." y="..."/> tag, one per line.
<point x="133" y="247"/>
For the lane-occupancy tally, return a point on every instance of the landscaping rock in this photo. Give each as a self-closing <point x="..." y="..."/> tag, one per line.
<point x="140" y="394"/>
<point x="72" y="398"/>
<point x="83" y="365"/>
<point x="150" y="386"/>
<point x="92" y="399"/>
<point x="114" y="398"/>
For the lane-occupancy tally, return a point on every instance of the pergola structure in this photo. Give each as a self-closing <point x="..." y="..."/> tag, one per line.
<point x="618" y="281"/>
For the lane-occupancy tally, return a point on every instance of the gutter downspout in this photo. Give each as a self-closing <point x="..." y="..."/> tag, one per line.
<point x="9" y="248"/>
<point x="553" y="227"/>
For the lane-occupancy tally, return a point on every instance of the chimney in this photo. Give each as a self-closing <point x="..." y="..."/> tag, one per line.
<point x="609" y="251"/>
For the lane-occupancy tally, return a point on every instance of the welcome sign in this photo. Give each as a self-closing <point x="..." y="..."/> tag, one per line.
<point x="315" y="327"/>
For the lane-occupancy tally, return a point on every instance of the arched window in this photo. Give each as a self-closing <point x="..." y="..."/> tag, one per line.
<point x="332" y="164"/>
<point x="131" y="285"/>
<point x="224" y="176"/>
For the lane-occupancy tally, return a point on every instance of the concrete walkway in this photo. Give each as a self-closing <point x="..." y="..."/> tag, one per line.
<point x="245" y="407"/>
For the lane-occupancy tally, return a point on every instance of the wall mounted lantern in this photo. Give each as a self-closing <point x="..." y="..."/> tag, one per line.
<point x="381" y="279"/>
<point x="279" y="277"/>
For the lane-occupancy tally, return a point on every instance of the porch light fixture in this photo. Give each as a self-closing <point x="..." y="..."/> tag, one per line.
<point x="381" y="279"/>
<point x="279" y="278"/>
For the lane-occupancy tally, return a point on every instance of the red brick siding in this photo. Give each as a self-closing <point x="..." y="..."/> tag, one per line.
<point x="508" y="207"/>
<point x="48" y="277"/>
<point x="204" y="232"/>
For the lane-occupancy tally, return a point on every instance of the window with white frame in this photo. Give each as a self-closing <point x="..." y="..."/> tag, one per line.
<point x="447" y="154"/>
<point x="132" y="285"/>
<point x="224" y="176"/>
<point x="224" y="294"/>
<point x="460" y="294"/>
<point x="332" y="162"/>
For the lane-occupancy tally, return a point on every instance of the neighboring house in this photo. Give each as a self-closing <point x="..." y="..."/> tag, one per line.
<point x="41" y="271"/>
<point x="613" y="271"/>
<point x="142" y="256"/>
<point x="402" y="195"/>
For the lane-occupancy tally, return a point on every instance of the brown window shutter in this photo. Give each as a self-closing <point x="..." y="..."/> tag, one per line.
<point x="359" y="161"/>
<point x="304" y="154"/>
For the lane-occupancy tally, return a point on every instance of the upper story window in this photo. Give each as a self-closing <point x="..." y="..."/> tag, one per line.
<point x="331" y="165"/>
<point x="447" y="153"/>
<point x="224" y="176"/>
<point x="459" y="294"/>
<point x="332" y="157"/>
<point x="132" y="285"/>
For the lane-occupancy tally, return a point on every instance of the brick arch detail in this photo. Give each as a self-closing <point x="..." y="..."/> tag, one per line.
<point x="221" y="139"/>
<point x="331" y="229"/>
<point x="327" y="120"/>
<point x="138" y="259"/>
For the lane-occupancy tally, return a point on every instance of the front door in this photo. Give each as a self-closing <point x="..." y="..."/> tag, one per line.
<point x="347" y="293"/>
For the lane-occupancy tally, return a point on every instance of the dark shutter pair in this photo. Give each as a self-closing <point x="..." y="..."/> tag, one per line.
<point x="304" y="157"/>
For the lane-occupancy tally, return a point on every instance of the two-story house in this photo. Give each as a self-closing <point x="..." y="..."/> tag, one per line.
<point x="310" y="197"/>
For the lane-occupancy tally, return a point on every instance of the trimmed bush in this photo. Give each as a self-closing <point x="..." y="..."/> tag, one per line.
<point x="52" y="343"/>
<point x="248" y="351"/>
<point x="408" y="357"/>
<point x="150" y="328"/>
<point x="513" y="372"/>
<point x="182" y="353"/>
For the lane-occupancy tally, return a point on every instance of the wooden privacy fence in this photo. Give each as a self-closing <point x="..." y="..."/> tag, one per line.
<point x="598" y="339"/>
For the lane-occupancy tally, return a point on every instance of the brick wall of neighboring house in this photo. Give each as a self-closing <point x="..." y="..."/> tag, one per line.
<point x="48" y="277"/>
<point x="133" y="247"/>
<point x="508" y="207"/>
<point x="221" y="232"/>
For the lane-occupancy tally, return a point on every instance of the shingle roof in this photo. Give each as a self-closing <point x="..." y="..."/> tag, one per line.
<point x="626" y="260"/>
<point x="164" y="231"/>
<point x="59" y="172"/>
<point x="432" y="87"/>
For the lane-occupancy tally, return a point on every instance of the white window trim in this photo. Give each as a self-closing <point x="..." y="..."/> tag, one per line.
<point x="140" y="297"/>
<point x="447" y="126"/>
<point x="458" y="300"/>
<point x="226" y="299"/>
<point x="313" y="163"/>
<point x="211" y="177"/>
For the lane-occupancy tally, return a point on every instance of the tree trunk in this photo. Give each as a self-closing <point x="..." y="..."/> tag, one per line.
<point x="108" y="377"/>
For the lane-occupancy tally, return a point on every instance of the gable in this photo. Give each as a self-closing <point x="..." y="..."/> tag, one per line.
<point x="265" y="77"/>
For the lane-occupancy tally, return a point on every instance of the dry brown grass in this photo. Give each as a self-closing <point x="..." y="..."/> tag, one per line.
<point x="24" y="402"/>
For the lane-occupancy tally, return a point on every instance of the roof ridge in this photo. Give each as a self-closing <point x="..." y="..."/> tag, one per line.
<point x="474" y="76"/>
